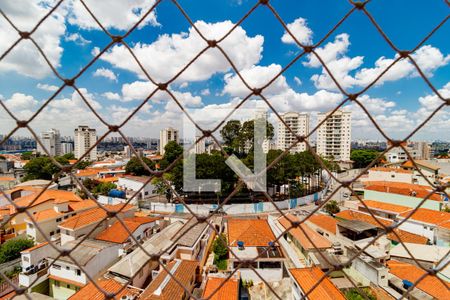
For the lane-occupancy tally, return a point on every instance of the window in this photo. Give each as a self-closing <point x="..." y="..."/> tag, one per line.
<point x="58" y="220"/>
<point x="31" y="226"/>
<point x="78" y="272"/>
<point x="58" y="230"/>
<point x="66" y="216"/>
<point x="52" y="233"/>
<point x="67" y="268"/>
<point x="56" y="267"/>
<point x="68" y="286"/>
<point x="26" y="258"/>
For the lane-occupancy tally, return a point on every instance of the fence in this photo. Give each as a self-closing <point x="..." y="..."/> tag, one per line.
<point x="259" y="91"/>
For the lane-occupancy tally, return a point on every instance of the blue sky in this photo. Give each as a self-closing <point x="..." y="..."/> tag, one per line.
<point x="70" y="39"/>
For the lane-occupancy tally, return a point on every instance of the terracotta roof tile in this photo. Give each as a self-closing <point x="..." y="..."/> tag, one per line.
<point x="253" y="232"/>
<point x="308" y="277"/>
<point x="91" y="216"/>
<point x="326" y="222"/>
<point x="228" y="291"/>
<point x="402" y="188"/>
<point x="91" y="292"/>
<point x="318" y="240"/>
<point x="34" y="247"/>
<point x="430" y="284"/>
<point x="396" y="170"/>
<point x="57" y="196"/>
<point x="376" y="205"/>
<point x="429" y="216"/>
<point x="73" y="207"/>
<point x="172" y="290"/>
<point x="7" y="179"/>
<point x="405" y="236"/>
<point x="116" y="233"/>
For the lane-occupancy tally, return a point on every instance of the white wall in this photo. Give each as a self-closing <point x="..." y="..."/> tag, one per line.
<point x="133" y="185"/>
<point x="419" y="228"/>
<point x="270" y="275"/>
<point x="389" y="176"/>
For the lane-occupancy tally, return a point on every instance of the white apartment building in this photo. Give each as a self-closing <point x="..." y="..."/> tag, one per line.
<point x="334" y="135"/>
<point x="66" y="148"/>
<point x="165" y="136"/>
<point x="299" y="124"/>
<point x="85" y="137"/>
<point x="200" y="146"/>
<point x="51" y="140"/>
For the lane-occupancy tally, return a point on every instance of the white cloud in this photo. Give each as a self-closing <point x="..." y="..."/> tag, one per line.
<point x="297" y="80"/>
<point x="184" y="85"/>
<point x="25" y="59"/>
<point x="138" y="90"/>
<point x="47" y="87"/>
<point x="77" y="39"/>
<point x="301" y="32"/>
<point x="19" y="101"/>
<point x="176" y="50"/>
<point x="205" y="92"/>
<point x="120" y="15"/>
<point x="341" y="66"/>
<point x="111" y="96"/>
<point x="107" y="73"/>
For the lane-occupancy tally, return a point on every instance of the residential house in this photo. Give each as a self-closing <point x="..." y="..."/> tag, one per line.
<point x="92" y="221"/>
<point x="66" y="277"/>
<point x="164" y="287"/>
<point x="134" y="184"/>
<point x="140" y="228"/>
<point x="219" y="287"/>
<point x="309" y="242"/>
<point x="107" y="285"/>
<point x="136" y="266"/>
<point x="253" y="239"/>
<point x="427" y="168"/>
<point x="429" y="287"/>
<point x="47" y="220"/>
<point x="388" y="174"/>
<point x="312" y="283"/>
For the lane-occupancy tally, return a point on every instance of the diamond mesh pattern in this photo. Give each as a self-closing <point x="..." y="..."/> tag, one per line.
<point x="357" y="8"/>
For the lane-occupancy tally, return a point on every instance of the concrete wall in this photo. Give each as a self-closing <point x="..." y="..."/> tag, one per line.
<point x="270" y="275"/>
<point x="389" y="176"/>
<point x="401" y="200"/>
<point x="233" y="209"/>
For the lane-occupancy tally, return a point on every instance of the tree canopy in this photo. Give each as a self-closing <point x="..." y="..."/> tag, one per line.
<point x="135" y="167"/>
<point x="363" y="157"/>
<point x="11" y="249"/>
<point x="42" y="167"/>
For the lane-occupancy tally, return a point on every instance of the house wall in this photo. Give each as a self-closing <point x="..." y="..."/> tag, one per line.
<point x="269" y="275"/>
<point x="401" y="200"/>
<point x="377" y="276"/>
<point x="412" y="226"/>
<point x="389" y="176"/>
<point x="60" y="290"/>
<point x="129" y="184"/>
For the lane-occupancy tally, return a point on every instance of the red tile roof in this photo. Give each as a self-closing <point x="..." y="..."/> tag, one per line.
<point x="396" y="170"/>
<point x="253" y="232"/>
<point x="117" y="233"/>
<point x="91" y="292"/>
<point x="228" y="291"/>
<point x="430" y="284"/>
<point x="92" y="216"/>
<point x="325" y="222"/>
<point x="429" y="216"/>
<point x="377" y="205"/>
<point x="307" y="278"/>
<point x="318" y="241"/>
<point x="34" y="247"/>
<point x="401" y="188"/>
<point x="172" y="290"/>
<point x="405" y="236"/>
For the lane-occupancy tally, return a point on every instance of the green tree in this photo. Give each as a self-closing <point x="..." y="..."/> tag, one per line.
<point x="83" y="164"/>
<point x="69" y="156"/>
<point x="230" y="133"/>
<point x="162" y="187"/>
<point x="332" y="207"/>
<point x="42" y="168"/>
<point x="135" y="167"/>
<point x="11" y="249"/>
<point x="26" y="155"/>
<point x="220" y="250"/>
<point x="171" y="152"/>
<point x="103" y="188"/>
<point x="354" y="294"/>
<point x="363" y="157"/>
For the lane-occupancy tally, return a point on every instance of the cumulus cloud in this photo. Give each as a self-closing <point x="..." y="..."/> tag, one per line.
<point x="106" y="73"/>
<point x="47" y="87"/>
<point x="297" y="80"/>
<point x="77" y="39"/>
<point x="176" y="50"/>
<point x="25" y="59"/>
<point x="342" y="66"/>
<point x="301" y="32"/>
<point x="111" y="96"/>
<point x="120" y="15"/>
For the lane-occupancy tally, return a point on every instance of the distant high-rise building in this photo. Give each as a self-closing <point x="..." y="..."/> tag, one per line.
<point x="84" y="139"/>
<point x="66" y="148"/>
<point x="334" y="135"/>
<point x="51" y="140"/>
<point x="299" y="125"/>
<point x="200" y="146"/>
<point x="165" y="136"/>
<point x="127" y="151"/>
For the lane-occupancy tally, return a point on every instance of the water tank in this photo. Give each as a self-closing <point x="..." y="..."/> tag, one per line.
<point x="116" y="194"/>
<point x="407" y="284"/>
<point x="240" y="245"/>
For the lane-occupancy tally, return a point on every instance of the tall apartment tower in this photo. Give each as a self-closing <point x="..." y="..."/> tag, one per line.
<point x="51" y="140"/>
<point x="165" y="136"/>
<point x="334" y="135"/>
<point x="299" y="124"/>
<point x="85" y="137"/>
<point x="66" y="147"/>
